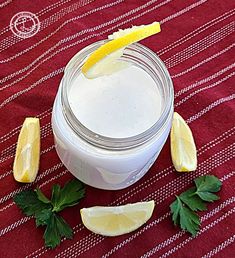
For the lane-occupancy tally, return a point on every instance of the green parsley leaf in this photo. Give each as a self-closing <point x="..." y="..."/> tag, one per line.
<point x="175" y="210"/>
<point x="206" y="186"/>
<point x="29" y="202"/>
<point x="55" y="194"/>
<point x="55" y="230"/>
<point x="183" y="216"/>
<point x="189" y="220"/>
<point x="209" y="197"/>
<point x="184" y="207"/>
<point x="64" y="228"/>
<point x="69" y="195"/>
<point x="42" y="217"/>
<point x="35" y="203"/>
<point x="41" y="196"/>
<point x="192" y="201"/>
<point x="51" y="234"/>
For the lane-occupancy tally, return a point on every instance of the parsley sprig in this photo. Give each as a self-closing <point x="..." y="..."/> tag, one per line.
<point x="184" y="208"/>
<point x="45" y="211"/>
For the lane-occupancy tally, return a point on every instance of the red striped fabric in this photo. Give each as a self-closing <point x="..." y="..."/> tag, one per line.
<point x="197" y="45"/>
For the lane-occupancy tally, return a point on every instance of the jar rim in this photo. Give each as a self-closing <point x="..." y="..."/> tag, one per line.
<point x="102" y="141"/>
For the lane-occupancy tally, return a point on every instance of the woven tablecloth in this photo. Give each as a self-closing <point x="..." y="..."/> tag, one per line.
<point x="197" y="45"/>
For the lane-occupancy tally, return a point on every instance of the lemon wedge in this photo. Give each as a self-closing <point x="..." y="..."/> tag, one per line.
<point x="183" y="149"/>
<point x="26" y="161"/>
<point x="117" y="220"/>
<point x="104" y="60"/>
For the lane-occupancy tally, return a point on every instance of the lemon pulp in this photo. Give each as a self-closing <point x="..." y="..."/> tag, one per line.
<point x="26" y="162"/>
<point x="117" y="220"/>
<point x="183" y="148"/>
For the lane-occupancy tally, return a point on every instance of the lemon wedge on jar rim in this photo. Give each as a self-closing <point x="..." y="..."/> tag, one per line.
<point x="116" y="220"/>
<point x="183" y="148"/>
<point x="104" y="60"/>
<point x="26" y="162"/>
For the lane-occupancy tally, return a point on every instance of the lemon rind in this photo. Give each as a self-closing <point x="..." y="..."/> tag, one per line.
<point x="119" y="43"/>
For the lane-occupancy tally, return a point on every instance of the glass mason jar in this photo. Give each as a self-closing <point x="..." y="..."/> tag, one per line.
<point x="104" y="162"/>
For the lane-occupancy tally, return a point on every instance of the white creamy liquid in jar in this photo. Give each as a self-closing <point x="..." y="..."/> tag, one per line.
<point x="120" y="105"/>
